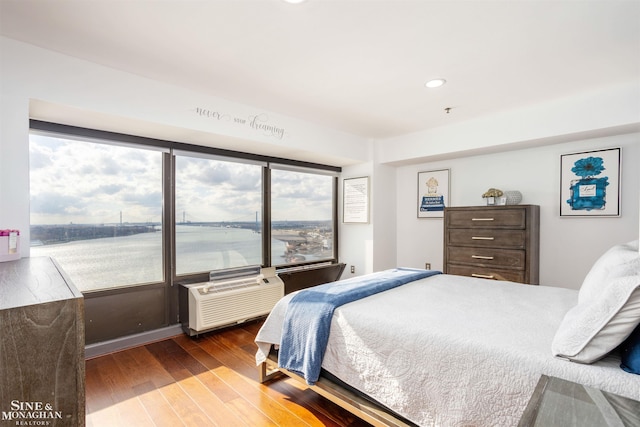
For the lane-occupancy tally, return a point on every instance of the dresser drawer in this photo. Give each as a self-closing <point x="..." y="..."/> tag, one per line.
<point x="509" y="258"/>
<point x="487" y="218"/>
<point x="513" y="239"/>
<point x="487" y="273"/>
<point x="498" y="242"/>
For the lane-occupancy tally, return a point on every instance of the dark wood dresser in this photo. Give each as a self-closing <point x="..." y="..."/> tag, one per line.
<point x="493" y="242"/>
<point x="42" y="367"/>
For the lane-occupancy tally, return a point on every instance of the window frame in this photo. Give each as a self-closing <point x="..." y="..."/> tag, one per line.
<point x="170" y="149"/>
<point x="204" y="276"/>
<point x="334" y="214"/>
<point x="163" y="152"/>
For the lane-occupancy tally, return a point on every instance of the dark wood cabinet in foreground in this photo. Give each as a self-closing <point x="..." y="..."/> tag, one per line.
<point x="493" y="242"/>
<point x="42" y="367"/>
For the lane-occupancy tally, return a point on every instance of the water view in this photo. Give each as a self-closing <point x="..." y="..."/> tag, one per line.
<point x="105" y="262"/>
<point x="101" y="216"/>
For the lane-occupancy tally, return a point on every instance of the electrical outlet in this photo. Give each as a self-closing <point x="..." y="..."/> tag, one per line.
<point x="353" y="269"/>
<point x="427" y="266"/>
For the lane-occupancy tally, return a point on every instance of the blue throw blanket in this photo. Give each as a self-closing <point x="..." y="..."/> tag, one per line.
<point x="305" y="331"/>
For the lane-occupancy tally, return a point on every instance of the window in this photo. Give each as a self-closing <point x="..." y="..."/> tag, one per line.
<point x="117" y="211"/>
<point x="302" y="216"/>
<point x="218" y="214"/>
<point x="96" y="209"/>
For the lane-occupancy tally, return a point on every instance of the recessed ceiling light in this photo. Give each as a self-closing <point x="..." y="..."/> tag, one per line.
<point x="295" y="1"/>
<point x="435" y="83"/>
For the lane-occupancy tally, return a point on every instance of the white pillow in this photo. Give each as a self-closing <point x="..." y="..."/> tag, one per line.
<point x="620" y="260"/>
<point x="596" y="326"/>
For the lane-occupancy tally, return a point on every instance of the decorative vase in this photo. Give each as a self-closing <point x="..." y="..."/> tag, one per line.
<point x="513" y="197"/>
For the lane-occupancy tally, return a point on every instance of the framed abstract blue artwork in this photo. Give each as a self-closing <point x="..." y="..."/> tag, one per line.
<point x="590" y="183"/>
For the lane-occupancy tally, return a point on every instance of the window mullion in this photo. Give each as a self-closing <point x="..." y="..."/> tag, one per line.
<point x="266" y="217"/>
<point x="168" y="237"/>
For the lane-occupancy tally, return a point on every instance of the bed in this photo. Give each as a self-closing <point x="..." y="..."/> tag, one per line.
<point x="452" y="350"/>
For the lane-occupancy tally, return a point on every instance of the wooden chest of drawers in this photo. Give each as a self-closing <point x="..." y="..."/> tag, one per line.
<point x="42" y="366"/>
<point x="493" y="242"/>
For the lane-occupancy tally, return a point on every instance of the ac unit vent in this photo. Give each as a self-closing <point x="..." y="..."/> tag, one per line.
<point x="219" y="307"/>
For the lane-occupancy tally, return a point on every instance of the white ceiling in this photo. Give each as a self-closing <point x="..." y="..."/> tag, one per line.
<point x="353" y="65"/>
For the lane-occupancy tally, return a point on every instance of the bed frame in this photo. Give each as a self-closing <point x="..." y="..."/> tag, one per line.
<point x="339" y="394"/>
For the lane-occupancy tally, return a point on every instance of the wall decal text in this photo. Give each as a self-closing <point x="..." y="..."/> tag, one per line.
<point x="259" y="122"/>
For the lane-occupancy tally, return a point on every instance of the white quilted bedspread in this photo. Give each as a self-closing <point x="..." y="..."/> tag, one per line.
<point x="454" y="351"/>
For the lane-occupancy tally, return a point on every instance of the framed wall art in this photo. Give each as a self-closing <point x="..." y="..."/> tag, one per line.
<point x="355" y="200"/>
<point x="433" y="193"/>
<point x="590" y="183"/>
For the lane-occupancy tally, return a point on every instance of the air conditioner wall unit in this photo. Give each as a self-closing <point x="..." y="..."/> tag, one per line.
<point x="219" y="303"/>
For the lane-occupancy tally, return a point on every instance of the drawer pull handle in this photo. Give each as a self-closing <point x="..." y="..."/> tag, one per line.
<point x="481" y="238"/>
<point x="481" y="257"/>
<point x="481" y="219"/>
<point x="483" y="276"/>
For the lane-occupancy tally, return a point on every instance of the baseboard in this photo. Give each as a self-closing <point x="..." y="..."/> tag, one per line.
<point x="106" y="347"/>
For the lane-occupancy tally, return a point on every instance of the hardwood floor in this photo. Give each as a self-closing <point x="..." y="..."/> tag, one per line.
<point x="210" y="380"/>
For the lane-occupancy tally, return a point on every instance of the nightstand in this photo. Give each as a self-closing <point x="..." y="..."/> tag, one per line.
<point x="560" y="403"/>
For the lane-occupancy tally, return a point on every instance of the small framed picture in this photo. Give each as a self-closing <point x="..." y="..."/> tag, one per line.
<point x="433" y="193"/>
<point x="355" y="200"/>
<point x="590" y="183"/>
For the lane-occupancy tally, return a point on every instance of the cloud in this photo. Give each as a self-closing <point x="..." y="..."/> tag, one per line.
<point x="108" y="166"/>
<point x="109" y="189"/>
<point x="86" y="182"/>
<point x="301" y="186"/>
<point x="150" y="200"/>
<point x="83" y="182"/>
<point x="39" y="158"/>
<point x="217" y="190"/>
<point x="247" y="179"/>
<point x="301" y="196"/>
<point x="56" y="204"/>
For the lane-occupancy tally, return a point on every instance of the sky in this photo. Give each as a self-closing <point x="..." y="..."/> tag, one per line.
<point x="92" y="183"/>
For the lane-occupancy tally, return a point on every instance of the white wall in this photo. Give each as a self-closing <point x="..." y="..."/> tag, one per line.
<point x="356" y="239"/>
<point x="385" y="224"/>
<point x="569" y="245"/>
<point x="33" y="76"/>
<point x="599" y="112"/>
<point x="371" y="247"/>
